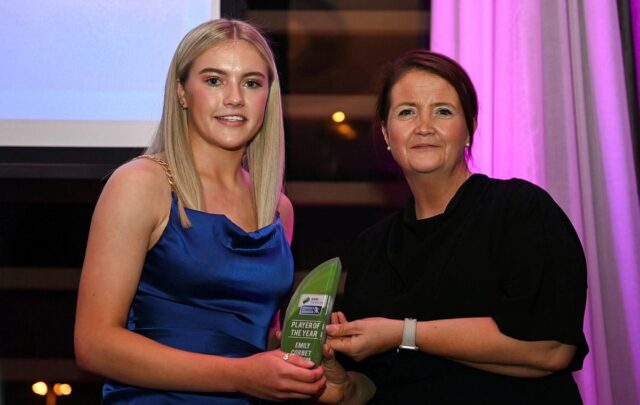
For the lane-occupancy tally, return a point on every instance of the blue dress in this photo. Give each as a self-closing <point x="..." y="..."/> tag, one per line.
<point x="212" y="288"/>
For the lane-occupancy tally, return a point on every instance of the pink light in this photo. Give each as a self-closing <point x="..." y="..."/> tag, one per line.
<point x="552" y="110"/>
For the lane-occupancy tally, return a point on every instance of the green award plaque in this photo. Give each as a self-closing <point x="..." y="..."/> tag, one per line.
<point x="309" y="311"/>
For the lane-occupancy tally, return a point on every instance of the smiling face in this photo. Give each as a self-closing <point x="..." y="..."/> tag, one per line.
<point x="225" y="95"/>
<point x="425" y="127"/>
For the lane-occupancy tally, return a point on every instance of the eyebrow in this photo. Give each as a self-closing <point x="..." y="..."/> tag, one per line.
<point x="222" y="72"/>
<point x="414" y="104"/>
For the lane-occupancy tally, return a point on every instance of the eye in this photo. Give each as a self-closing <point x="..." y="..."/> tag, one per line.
<point x="214" y="81"/>
<point x="444" y="111"/>
<point x="405" y="112"/>
<point x="253" y="84"/>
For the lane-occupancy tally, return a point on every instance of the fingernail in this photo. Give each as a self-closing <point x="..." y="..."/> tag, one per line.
<point x="308" y="362"/>
<point x="331" y="328"/>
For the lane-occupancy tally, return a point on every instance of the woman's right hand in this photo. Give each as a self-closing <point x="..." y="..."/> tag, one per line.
<point x="362" y="338"/>
<point x="269" y="376"/>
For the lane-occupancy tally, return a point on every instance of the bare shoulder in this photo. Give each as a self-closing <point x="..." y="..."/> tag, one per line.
<point x="284" y="205"/>
<point x="142" y="173"/>
<point x="141" y="176"/>
<point x="285" y="208"/>
<point x="140" y="185"/>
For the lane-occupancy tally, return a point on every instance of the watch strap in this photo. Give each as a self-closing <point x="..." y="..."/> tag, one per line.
<point x="409" y="334"/>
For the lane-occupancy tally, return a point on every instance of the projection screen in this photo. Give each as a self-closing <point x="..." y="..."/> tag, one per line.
<point x="79" y="73"/>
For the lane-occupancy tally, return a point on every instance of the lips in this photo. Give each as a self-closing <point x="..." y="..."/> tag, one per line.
<point x="423" y="146"/>
<point x="231" y="118"/>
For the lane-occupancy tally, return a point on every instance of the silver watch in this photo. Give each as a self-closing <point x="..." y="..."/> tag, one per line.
<point x="409" y="335"/>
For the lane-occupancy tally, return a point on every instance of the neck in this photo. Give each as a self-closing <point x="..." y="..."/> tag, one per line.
<point x="219" y="167"/>
<point x="433" y="192"/>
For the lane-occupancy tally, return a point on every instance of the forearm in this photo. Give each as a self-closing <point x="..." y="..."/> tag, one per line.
<point x="125" y="356"/>
<point x="479" y="343"/>
<point x="473" y="341"/>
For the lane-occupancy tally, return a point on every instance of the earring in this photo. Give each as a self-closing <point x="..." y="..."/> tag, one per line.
<point x="467" y="144"/>
<point x="388" y="148"/>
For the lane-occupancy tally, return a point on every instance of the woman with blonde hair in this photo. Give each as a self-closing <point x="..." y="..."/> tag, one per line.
<point x="188" y="257"/>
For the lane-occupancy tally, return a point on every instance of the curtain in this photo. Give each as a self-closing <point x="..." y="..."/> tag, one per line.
<point x="553" y="110"/>
<point x="630" y="35"/>
<point x="630" y="29"/>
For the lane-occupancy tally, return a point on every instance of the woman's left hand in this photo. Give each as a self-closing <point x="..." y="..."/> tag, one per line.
<point x="364" y="337"/>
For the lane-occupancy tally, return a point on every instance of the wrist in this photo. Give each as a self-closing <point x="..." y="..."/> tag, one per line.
<point x="236" y="374"/>
<point x="394" y="337"/>
<point x="409" y="330"/>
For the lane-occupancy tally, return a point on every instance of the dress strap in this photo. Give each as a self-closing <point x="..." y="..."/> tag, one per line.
<point x="164" y="165"/>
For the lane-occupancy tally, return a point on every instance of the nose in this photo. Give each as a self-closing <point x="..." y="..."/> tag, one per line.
<point x="423" y="125"/>
<point x="233" y="96"/>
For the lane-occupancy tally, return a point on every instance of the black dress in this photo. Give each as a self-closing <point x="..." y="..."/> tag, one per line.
<point x="502" y="249"/>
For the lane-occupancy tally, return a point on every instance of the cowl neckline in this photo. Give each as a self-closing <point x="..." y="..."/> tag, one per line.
<point x="232" y="225"/>
<point x="219" y="227"/>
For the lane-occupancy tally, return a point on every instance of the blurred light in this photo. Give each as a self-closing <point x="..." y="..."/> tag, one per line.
<point x="338" y="116"/>
<point x="62" y="389"/>
<point x="346" y="131"/>
<point x="40" y="388"/>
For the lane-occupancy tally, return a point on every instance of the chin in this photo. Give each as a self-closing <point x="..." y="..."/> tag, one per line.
<point x="424" y="168"/>
<point x="234" y="147"/>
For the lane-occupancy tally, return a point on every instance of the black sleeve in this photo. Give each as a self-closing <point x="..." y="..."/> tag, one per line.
<point x="542" y="273"/>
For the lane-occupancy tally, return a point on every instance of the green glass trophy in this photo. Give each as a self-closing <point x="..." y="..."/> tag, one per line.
<point x="309" y="311"/>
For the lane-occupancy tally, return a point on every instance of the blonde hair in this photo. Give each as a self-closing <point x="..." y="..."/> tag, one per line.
<point x="265" y="153"/>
